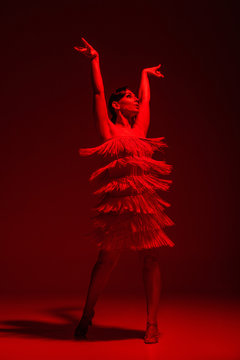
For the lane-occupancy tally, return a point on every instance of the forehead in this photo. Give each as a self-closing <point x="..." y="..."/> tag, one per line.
<point x="129" y="92"/>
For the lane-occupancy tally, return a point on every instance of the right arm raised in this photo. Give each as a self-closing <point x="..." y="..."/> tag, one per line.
<point x="99" y="101"/>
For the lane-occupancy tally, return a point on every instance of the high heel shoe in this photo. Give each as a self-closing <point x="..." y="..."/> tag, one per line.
<point x="152" y="334"/>
<point x="82" y="328"/>
<point x="92" y="315"/>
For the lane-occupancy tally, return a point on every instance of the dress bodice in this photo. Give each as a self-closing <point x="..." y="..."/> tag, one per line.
<point x="124" y="145"/>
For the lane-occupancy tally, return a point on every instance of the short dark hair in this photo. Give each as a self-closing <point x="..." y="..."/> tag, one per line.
<point x="116" y="96"/>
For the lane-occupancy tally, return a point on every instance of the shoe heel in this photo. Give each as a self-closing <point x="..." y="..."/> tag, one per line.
<point x="151" y="336"/>
<point x="92" y="315"/>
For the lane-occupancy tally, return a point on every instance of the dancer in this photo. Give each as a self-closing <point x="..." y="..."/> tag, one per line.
<point x="130" y="211"/>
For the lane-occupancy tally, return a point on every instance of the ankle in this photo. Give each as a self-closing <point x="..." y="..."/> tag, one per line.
<point x="87" y="313"/>
<point x="152" y="321"/>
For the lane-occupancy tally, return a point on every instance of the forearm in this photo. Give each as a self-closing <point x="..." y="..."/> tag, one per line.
<point x="144" y="88"/>
<point x="97" y="82"/>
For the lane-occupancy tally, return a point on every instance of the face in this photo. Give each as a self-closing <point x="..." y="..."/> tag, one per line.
<point x="129" y="104"/>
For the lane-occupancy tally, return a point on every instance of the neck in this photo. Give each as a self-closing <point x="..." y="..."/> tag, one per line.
<point x="124" y="121"/>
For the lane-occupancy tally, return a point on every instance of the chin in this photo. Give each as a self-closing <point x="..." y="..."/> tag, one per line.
<point x="135" y="112"/>
<point x="131" y="114"/>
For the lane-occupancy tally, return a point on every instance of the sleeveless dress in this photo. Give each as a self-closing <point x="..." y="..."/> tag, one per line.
<point x="129" y="213"/>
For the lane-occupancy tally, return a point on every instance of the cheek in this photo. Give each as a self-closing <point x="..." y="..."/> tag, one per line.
<point x="123" y="105"/>
<point x="127" y="103"/>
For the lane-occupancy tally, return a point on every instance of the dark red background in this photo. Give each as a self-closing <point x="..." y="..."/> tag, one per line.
<point x="47" y="115"/>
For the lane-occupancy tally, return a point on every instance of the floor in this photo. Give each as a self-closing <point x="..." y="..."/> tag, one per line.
<point x="41" y="327"/>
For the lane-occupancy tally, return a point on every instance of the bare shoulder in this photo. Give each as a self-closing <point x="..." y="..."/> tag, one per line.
<point x="116" y="130"/>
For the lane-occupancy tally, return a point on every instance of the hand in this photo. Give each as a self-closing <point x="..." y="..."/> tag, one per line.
<point x="154" y="71"/>
<point x="87" y="50"/>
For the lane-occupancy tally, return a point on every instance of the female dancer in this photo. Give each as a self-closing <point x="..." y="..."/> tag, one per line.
<point x="130" y="214"/>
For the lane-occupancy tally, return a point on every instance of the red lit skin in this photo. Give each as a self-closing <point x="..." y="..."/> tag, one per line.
<point x="133" y="113"/>
<point x="132" y="119"/>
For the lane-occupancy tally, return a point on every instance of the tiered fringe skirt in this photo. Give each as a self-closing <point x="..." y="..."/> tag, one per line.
<point x="130" y="213"/>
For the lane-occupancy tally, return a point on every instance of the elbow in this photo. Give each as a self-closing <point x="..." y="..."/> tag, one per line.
<point x="98" y="91"/>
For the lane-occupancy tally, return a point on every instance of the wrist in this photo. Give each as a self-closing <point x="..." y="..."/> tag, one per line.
<point x="144" y="72"/>
<point x="95" y="56"/>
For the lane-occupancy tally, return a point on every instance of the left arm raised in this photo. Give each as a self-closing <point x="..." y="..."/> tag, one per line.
<point x="143" y="118"/>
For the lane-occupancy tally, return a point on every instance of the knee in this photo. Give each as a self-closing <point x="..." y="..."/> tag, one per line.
<point x="150" y="262"/>
<point x="108" y="258"/>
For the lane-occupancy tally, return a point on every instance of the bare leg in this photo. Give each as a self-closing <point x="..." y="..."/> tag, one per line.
<point x="152" y="283"/>
<point x="100" y="275"/>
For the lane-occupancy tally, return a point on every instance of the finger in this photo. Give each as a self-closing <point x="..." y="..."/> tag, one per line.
<point x="85" y="42"/>
<point x="84" y="51"/>
<point x="159" y="74"/>
<point x="79" y="48"/>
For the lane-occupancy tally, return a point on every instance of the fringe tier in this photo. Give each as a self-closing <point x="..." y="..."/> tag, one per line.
<point x="130" y="211"/>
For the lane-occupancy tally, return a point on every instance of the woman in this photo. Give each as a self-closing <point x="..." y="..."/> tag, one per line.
<point x="130" y="213"/>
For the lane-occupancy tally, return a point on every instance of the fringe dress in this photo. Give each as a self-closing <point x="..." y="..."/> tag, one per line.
<point x="129" y="213"/>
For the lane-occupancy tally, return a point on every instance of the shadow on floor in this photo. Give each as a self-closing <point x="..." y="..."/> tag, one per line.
<point x="65" y="330"/>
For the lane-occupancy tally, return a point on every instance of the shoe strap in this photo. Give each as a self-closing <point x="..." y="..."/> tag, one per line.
<point x="153" y="324"/>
